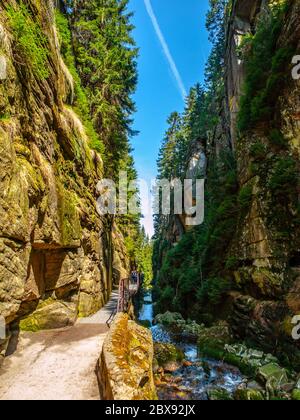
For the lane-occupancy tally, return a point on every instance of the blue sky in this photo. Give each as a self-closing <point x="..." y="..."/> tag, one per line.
<point x="158" y="93"/>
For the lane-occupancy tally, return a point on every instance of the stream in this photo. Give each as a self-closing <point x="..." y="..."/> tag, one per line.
<point x="191" y="382"/>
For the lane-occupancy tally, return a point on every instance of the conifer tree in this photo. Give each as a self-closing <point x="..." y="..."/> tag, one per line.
<point x="106" y="62"/>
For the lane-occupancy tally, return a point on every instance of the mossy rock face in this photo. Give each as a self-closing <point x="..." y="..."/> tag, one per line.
<point x="173" y="321"/>
<point x="89" y="304"/>
<point x="48" y="181"/>
<point x="296" y="395"/>
<point x="50" y="314"/>
<point x="126" y="363"/>
<point x="273" y="371"/>
<point x="275" y="379"/>
<point x="169" y="319"/>
<point x="212" y="341"/>
<point x="191" y="331"/>
<point x="165" y="353"/>
<point x="246" y="359"/>
<point x="219" y="394"/>
<point x="248" y="395"/>
<point x="70" y="227"/>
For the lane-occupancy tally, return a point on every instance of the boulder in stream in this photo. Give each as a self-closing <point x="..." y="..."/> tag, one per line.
<point x="166" y="354"/>
<point x="212" y="341"/>
<point x="173" y="321"/>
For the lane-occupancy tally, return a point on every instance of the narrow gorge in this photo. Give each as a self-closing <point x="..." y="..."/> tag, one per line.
<point x="210" y="312"/>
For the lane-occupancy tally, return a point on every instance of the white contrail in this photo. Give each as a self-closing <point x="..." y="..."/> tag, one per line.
<point x="165" y="48"/>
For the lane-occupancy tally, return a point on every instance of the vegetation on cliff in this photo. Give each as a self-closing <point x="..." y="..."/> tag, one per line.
<point x="101" y="56"/>
<point x="30" y="42"/>
<point x="64" y="126"/>
<point x="105" y="56"/>
<point x="192" y="269"/>
<point x="241" y="263"/>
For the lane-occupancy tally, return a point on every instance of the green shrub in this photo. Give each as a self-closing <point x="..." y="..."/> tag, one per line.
<point x="265" y="69"/>
<point x="167" y="296"/>
<point x="281" y="57"/>
<point x="201" y="252"/>
<point x="284" y="179"/>
<point x="277" y="138"/>
<point x="258" y="151"/>
<point x="31" y="45"/>
<point x="232" y="263"/>
<point x="245" y="197"/>
<point x="213" y="290"/>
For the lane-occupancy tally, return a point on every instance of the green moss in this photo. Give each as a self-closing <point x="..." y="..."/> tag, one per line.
<point x="212" y="352"/>
<point x="81" y="104"/>
<point x="69" y="217"/>
<point x="32" y="322"/>
<point x="165" y="353"/>
<point x="89" y="304"/>
<point x="30" y="43"/>
<point x="33" y="174"/>
<point x="296" y="395"/>
<point x="249" y="395"/>
<point x="29" y="324"/>
<point x="244" y="367"/>
<point x="212" y="341"/>
<point x="45" y="303"/>
<point x="232" y="263"/>
<point x="5" y="117"/>
<point x="219" y="394"/>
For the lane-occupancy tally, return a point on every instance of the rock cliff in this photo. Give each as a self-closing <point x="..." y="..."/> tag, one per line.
<point x="243" y="264"/>
<point x="266" y="245"/>
<point x="57" y="256"/>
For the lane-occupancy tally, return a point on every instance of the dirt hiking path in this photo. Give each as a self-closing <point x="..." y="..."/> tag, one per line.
<point x="58" y="364"/>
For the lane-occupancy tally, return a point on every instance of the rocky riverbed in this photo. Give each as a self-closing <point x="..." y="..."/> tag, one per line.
<point x="197" y="363"/>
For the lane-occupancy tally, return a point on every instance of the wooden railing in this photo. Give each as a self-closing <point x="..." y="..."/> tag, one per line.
<point x="127" y="289"/>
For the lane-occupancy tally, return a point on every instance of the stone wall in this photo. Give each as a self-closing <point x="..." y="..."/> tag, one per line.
<point x="125" y="365"/>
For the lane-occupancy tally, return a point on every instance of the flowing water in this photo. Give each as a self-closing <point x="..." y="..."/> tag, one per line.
<point x="194" y="381"/>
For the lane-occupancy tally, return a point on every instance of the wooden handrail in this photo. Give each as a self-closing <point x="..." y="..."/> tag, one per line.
<point x="127" y="290"/>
